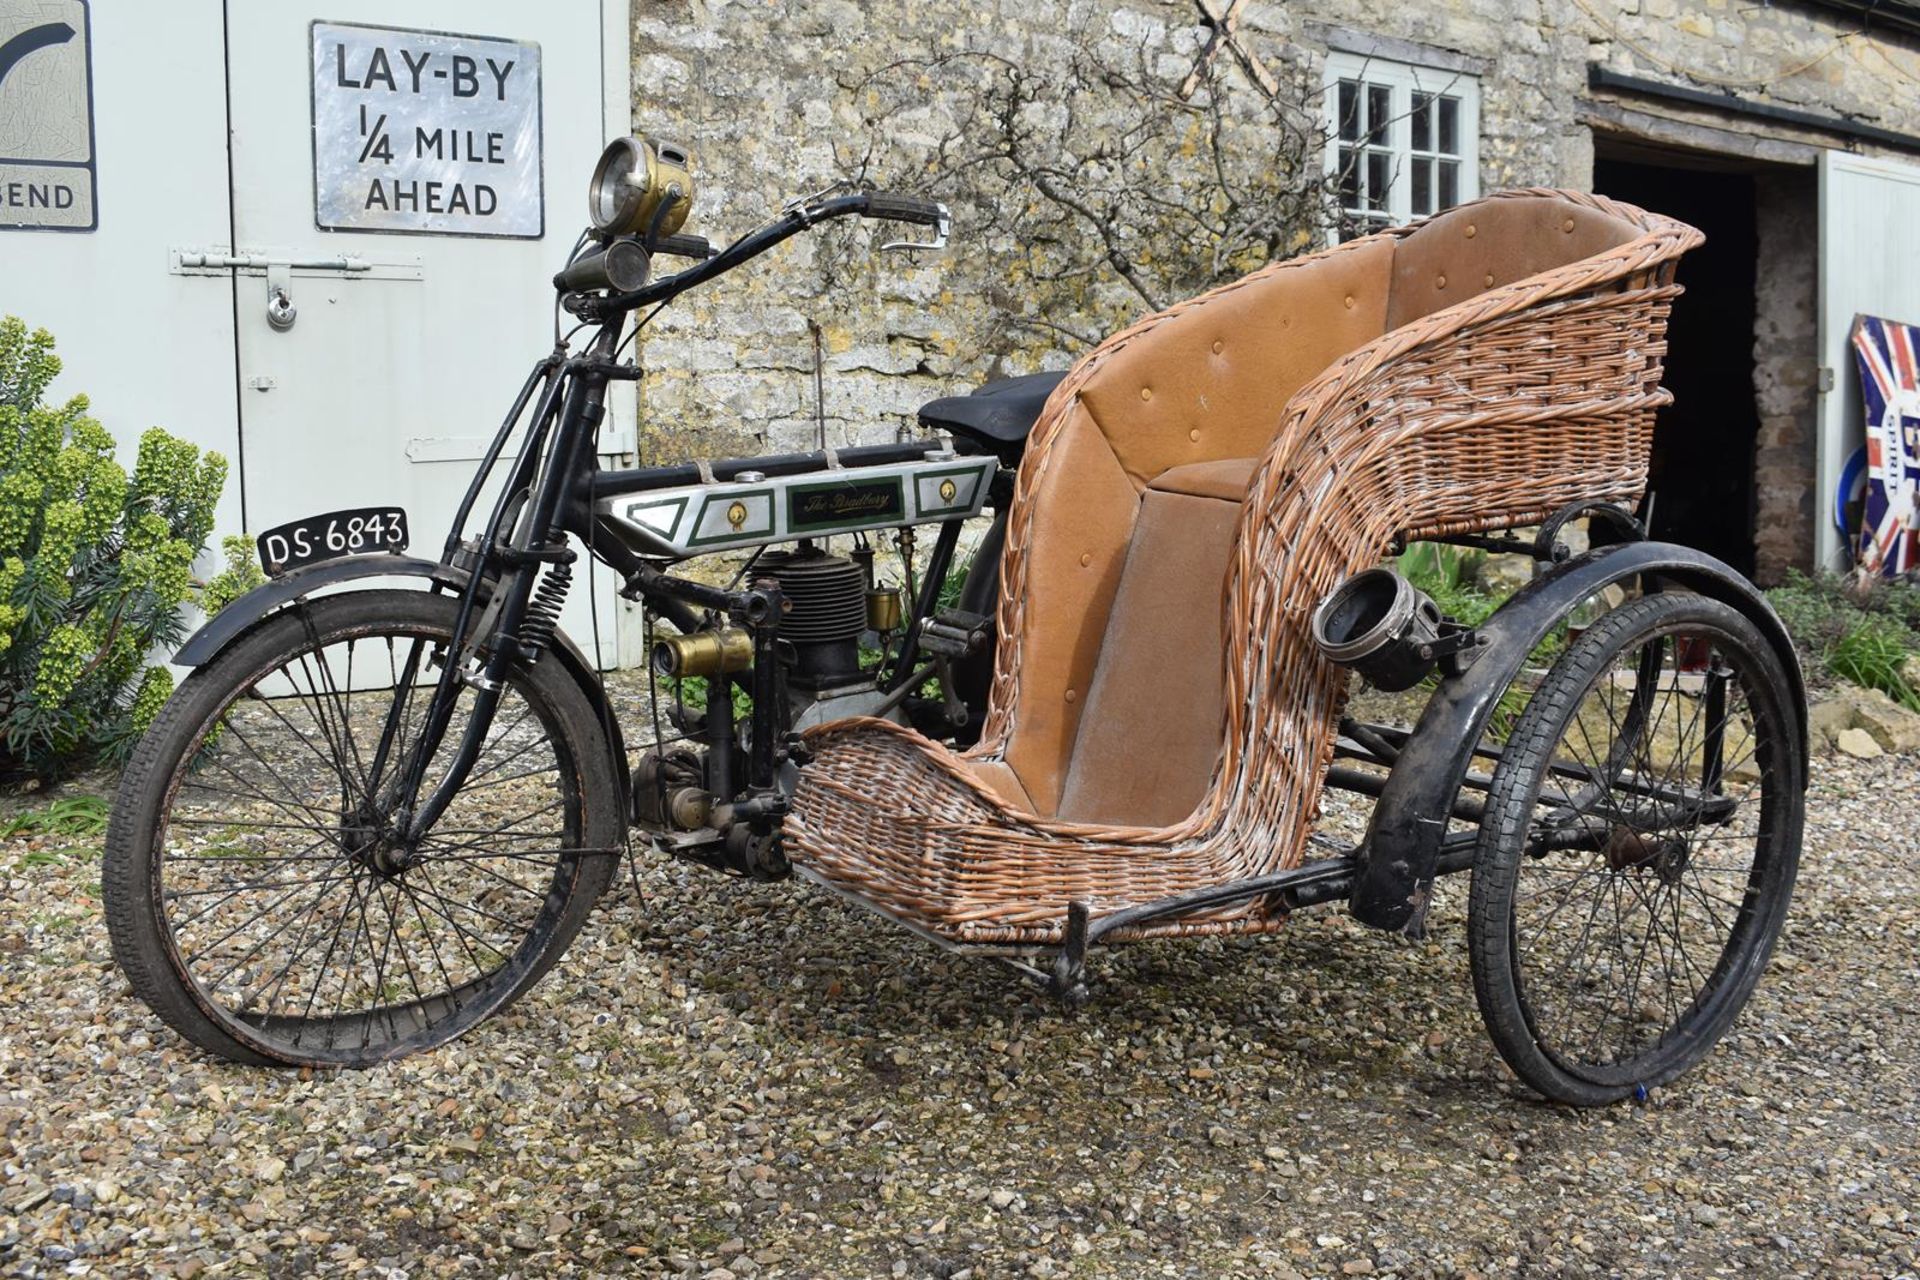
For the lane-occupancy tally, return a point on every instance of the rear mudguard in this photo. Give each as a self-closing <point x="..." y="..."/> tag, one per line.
<point x="1395" y="881"/>
<point x="255" y="607"/>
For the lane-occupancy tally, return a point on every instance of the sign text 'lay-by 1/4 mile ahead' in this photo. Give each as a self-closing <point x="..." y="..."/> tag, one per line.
<point x="425" y="131"/>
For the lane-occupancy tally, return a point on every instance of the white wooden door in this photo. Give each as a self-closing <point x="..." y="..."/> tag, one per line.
<point x="147" y="346"/>
<point x="1869" y="265"/>
<point x="426" y="297"/>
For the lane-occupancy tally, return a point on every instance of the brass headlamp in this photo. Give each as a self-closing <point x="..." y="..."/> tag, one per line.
<point x="640" y="187"/>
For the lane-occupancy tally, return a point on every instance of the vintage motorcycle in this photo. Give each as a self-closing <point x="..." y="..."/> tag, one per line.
<point x="386" y="798"/>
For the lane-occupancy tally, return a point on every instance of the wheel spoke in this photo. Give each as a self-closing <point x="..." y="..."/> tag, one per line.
<point x="277" y="872"/>
<point x="1629" y="892"/>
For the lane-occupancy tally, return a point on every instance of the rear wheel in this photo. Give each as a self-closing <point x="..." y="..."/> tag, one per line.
<point x="257" y="896"/>
<point x="1638" y="851"/>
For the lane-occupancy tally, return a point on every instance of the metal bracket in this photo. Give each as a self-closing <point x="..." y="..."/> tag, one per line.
<point x="1069" y="981"/>
<point x="1457" y="647"/>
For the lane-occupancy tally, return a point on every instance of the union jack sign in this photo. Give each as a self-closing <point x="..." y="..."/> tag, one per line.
<point x="1890" y="390"/>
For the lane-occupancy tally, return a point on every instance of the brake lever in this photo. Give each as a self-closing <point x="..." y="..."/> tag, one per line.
<point x="941" y="230"/>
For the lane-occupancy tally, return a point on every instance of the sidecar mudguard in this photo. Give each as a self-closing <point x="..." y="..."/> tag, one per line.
<point x="1395" y="880"/>
<point x="255" y="607"/>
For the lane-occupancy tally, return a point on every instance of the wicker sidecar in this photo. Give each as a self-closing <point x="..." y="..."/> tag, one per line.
<point x="1162" y="722"/>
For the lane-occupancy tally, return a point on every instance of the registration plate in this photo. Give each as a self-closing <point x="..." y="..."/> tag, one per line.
<point x="337" y="533"/>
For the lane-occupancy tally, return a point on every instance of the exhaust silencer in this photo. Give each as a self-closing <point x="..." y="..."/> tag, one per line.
<point x="704" y="653"/>
<point x="1382" y="626"/>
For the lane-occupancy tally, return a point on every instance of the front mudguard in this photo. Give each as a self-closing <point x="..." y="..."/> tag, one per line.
<point x="261" y="603"/>
<point x="1402" y="848"/>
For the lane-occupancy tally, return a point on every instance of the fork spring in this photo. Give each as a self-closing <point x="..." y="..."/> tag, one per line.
<point x="543" y="611"/>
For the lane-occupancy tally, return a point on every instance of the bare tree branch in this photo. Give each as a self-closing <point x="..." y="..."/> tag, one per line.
<point x="1089" y="178"/>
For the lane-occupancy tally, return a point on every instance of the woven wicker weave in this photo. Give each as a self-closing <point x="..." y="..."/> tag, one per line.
<point x="1488" y="414"/>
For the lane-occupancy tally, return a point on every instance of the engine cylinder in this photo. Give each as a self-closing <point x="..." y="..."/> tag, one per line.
<point x="827" y="611"/>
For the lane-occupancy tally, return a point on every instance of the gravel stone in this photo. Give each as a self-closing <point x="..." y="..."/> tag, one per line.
<point x="760" y="1081"/>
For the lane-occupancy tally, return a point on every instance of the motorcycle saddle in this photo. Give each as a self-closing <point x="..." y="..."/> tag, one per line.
<point x="997" y="415"/>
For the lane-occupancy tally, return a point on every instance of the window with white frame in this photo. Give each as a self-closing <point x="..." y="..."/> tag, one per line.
<point x="1404" y="140"/>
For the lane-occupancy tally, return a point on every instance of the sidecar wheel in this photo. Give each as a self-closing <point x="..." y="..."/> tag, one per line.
<point x="1634" y="870"/>
<point x="254" y="894"/>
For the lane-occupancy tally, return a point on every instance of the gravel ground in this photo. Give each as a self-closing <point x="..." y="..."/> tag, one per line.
<point x="760" y="1081"/>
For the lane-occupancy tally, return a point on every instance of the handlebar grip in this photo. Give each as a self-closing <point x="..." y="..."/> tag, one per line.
<point x="898" y="208"/>
<point x="621" y="265"/>
<point x="684" y="246"/>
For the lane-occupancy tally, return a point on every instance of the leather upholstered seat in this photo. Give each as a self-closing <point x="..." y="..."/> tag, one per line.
<point x="1159" y="720"/>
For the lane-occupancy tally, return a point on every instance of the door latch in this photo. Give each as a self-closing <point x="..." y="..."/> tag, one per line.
<point x="281" y="312"/>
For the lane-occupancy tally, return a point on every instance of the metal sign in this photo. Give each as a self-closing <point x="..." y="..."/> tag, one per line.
<point x="46" y="116"/>
<point x="1889" y="356"/>
<point x="423" y="131"/>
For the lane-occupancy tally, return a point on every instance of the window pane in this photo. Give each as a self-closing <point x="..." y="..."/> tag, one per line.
<point x="1379" y="178"/>
<point x="1422" y="186"/>
<point x="1349" y="110"/>
<point x="1450" y="126"/>
<point x="1449" y="183"/>
<point x="1349" y="180"/>
<point x="1379" y="113"/>
<point x="1422" y="121"/>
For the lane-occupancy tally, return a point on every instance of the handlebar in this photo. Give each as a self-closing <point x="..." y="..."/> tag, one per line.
<point x="793" y="220"/>
<point x="898" y="208"/>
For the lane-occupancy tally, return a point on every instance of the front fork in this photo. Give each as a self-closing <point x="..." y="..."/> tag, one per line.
<point x="564" y="425"/>
<point x="753" y="805"/>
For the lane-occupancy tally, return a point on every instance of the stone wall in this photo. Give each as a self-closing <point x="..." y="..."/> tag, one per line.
<point x="1785" y="374"/>
<point x="763" y="94"/>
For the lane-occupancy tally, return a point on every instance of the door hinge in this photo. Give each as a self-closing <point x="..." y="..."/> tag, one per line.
<point x="1824" y="380"/>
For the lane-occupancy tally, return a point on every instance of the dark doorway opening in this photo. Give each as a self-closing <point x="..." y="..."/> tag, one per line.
<point x="1702" y="475"/>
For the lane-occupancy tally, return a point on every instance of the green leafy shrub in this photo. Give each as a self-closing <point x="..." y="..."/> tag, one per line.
<point x="240" y="574"/>
<point x="1858" y="632"/>
<point x="94" y="565"/>
<point x="1449" y="574"/>
<point x="1870" y="655"/>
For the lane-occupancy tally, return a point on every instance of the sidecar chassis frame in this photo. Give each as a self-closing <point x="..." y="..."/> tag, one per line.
<point x="1387" y="879"/>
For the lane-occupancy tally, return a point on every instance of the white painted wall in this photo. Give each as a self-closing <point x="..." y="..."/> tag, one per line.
<point x="389" y="383"/>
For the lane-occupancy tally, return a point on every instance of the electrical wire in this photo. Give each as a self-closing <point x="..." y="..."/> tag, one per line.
<point x="571" y="255"/>
<point x="1881" y="53"/>
<point x="640" y="324"/>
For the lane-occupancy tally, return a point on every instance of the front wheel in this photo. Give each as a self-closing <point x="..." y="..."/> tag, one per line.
<point x="1638" y="850"/>
<point x="257" y="896"/>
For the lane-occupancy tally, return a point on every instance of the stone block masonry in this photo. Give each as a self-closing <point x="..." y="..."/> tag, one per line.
<point x="770" y="98"/>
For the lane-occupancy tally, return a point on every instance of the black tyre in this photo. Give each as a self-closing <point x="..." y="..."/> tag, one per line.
<point x="1638" y="851"/>
<point x="254" y="895"/>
